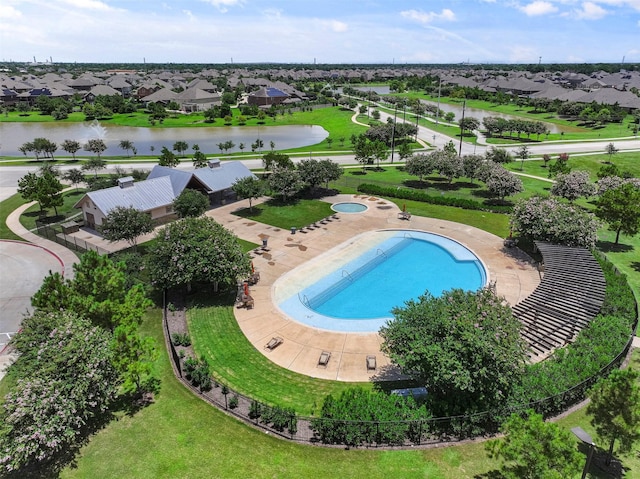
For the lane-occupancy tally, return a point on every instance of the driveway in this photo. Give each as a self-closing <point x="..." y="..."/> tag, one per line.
<point x="24" y="266"/>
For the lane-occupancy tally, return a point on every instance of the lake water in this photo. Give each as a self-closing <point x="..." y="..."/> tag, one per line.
<point x="14" y="135"/>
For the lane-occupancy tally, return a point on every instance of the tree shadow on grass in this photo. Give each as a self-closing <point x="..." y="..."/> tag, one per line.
<point x="611" y="247"/>
<point x="494" y="474"/>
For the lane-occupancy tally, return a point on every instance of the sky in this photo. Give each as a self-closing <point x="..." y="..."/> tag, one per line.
<point x="320" y="31"/>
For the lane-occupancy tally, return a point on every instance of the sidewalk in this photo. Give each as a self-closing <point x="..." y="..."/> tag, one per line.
<point x="66" y="256"/>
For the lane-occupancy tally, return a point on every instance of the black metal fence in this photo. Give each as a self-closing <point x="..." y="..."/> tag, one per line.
<point x="56" y="233"/>
<point x="286" y="424"/>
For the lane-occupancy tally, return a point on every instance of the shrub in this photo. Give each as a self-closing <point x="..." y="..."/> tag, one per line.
<point x="233" y="402"/>
<point x="255" y="409"/>
<point x="417" y="195"/>
<point x="280" y="418"/>
<point x="197" y="371"/>
<point x="181" y="339"/>
<point x="360" y="417"/>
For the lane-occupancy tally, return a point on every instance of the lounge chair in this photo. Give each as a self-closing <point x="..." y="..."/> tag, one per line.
<point x="323" y="360"/>
<point x="274" y="343"/>
<point x="404" y="215"/>
<point x="371" y="363"/>
<point x="254" y="278"/>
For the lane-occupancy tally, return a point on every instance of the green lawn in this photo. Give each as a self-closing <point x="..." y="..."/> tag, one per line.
<point x="180" y="436"/>
<point x="6" y="208"/>
<point x="629" y="162"/>
<point x="296" y="214"/>
<point x="236" y="362"/>
<point x="29" y="217"/>
<point x="575" y="130"/>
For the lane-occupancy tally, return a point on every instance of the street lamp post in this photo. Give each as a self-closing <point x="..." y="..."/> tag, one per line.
<point x="586" y="439"/>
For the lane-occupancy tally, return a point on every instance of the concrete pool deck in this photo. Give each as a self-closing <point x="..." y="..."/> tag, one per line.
<point x="514" y="273"/>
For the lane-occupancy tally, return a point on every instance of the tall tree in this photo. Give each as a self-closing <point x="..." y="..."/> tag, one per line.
<point x="503" y="183"/>
<point x="611" y="150"/>
<point x="167" y="158"/>
<point x="615" y="409"/>
<point x="197" y="249"/>
<point x="126" y="223"/>
<point x="250" y="188"/>
<point x="94" y="164"/>
<point x="180" y="147"/>
<point x="420" y="165"/>
<point x="547" y="219"/>
<point x="71" y="146"/>
<point x="535" y="449"/>
<point x="523" y="154"/>
<point x="199" y="160"/>
<point x="66" y="379"/>
<point x="96" y="146"/>
<point x="126" y="145"/>
<point x="468" y="365"/>
<point x="190" y="203"/>
<point x="620" y="209"/>
<point x="285" y="182"/>
<point x="45" y="188"/>
<point x="573" y="185"/>
<point x="74" y="176"/>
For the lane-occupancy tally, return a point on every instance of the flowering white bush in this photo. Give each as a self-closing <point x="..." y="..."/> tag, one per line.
<point x="611" y="182"/>
<point x="547" y="219"/>
<point x="573" y="185"/>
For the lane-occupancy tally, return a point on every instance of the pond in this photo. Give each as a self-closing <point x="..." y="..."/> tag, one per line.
<point x="14" y="135"/>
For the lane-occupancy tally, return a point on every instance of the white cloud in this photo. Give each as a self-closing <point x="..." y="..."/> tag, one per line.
<point x="591" y="11"/>
<point x="189" y="15"/>
<point x="7" y="11"/>
<point x="428" y="17"/>
<point x="539" y="7"/>
<point x="89" y="5"/>
<point x="223" y="5"/>
<point x="635" y="4"/>
<point x="335" y="25"/>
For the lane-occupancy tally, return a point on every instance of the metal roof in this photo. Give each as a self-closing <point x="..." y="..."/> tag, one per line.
<point x="143" y="195"/>
<point x="222" y="177"/>
<point x="179" y="178"/>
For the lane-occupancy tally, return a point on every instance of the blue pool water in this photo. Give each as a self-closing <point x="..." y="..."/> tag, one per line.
<point x="349" y="207"/>
<point x="359" y="295"/>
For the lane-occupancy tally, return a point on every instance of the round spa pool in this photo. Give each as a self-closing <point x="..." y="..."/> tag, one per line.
<point x="349" y="207"/>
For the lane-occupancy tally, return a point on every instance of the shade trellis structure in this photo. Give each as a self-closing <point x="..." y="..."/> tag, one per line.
<point x="569" y="296"/>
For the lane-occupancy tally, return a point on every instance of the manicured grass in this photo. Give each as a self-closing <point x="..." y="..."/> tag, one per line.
<point x="336" y="120"/>
<point x="295" y="214"/>
<point x="236" y="362"/>
<point x="179" y="435"/>
<point x="630" y="461"/>
<point x="627" y="161"/>
<point x="575" y="130"/>
<point x="6" y="208"/>
<point x="29" y="217"/>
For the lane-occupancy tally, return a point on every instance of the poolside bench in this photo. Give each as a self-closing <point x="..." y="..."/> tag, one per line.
<point x="274" y="343"/>
<point x="371" y="363"/>
<point x="323" y="360"/>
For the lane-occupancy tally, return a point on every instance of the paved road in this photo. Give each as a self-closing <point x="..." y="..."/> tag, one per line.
<point x="24" y="266"/>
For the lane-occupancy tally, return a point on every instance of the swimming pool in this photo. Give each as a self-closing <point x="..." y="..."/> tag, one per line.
<point x="355" y="287"/>
<point x="349" y="207"/>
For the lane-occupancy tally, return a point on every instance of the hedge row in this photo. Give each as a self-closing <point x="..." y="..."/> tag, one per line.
<point x="417" y="195"/>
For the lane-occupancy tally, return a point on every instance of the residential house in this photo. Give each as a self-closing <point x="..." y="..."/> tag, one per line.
<point x="267" y="96"/>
